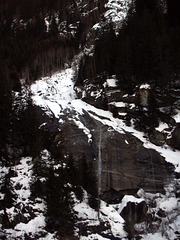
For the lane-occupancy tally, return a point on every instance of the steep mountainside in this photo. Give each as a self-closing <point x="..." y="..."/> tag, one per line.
<point x="90" y="121"/>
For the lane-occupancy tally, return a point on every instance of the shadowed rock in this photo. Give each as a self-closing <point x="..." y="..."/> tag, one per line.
<point x="126" y="164"/>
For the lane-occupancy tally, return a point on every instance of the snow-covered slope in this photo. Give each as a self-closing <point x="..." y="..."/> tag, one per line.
<point x="117" y="10"/>
<point x="57" y="95"/>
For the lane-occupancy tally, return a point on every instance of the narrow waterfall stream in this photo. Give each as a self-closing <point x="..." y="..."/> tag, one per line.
<point x="99" y="166"/>
<point x="152" y="171"/>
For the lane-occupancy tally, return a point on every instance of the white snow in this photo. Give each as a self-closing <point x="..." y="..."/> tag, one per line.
<point x="116" y="11"/>
<point x="115" y="220"/>
<point x="111" y="82"/>
<point x="23" y="177"/>
<point x="126" y="142"/>
<point x="54" y="93"/>
<point x="145" y="86"/>
<point x="32" y="226"/>
<point x="119" y="104"/>
<point x="156" y="236"/>
<point x="106" y="213"/>
<point x="93" y="237"/>
<point x="162" y="126"/>
<point x="96" y="26"/>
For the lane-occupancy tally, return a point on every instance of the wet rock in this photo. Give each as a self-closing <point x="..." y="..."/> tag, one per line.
<point x="126" y="164"/>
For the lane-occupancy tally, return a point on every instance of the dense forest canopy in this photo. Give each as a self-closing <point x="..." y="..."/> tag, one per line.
<point x="146" y="48"/>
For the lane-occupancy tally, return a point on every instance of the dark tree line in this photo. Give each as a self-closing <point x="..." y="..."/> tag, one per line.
<point x="28" y="50"/>
<point x="146" y="49"/>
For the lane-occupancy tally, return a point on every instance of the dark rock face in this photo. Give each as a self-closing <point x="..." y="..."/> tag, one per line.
<point x="126" y="164"/>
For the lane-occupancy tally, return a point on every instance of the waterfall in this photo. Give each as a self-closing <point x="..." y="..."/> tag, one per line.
<point x="152" y="171"/>
<point x="99" y="166"/>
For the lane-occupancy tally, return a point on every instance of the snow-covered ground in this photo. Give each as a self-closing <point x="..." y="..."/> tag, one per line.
<point x="108" y="214"/>
<point x="34" y="225"/>
<point x="23" y="205"/>
<point x="117" y="10"/>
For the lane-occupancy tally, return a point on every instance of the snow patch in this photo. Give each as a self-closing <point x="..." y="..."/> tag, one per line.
<point x="169" y="204"/>
<point x="156" y="236"/>
<point x="125" y="200"/>
<point x="145" y="86"/>
<point x="116" y="10"/>
<point x="118" y="104"/>
<point x="32" y="226"/>
<point x="111" y="83"/>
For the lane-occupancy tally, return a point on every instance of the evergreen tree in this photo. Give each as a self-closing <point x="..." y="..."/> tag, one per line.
<point x="60" y="215"/>
<point x="88" y="180"/>
<point x="173" y="8"/>
<point x="7" y="202"/>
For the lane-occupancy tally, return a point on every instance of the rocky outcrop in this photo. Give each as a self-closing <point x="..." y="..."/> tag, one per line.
<point x="126" y="164"/>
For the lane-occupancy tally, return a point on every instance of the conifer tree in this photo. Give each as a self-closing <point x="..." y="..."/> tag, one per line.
<point x="60" y="215"/>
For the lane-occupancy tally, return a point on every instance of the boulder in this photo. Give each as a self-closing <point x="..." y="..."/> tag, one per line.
<point x="134" y="213"/>
<point x="156" y="137"/>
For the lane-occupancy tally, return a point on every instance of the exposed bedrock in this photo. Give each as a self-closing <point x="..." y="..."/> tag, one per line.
<point x="126" y="164"/>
